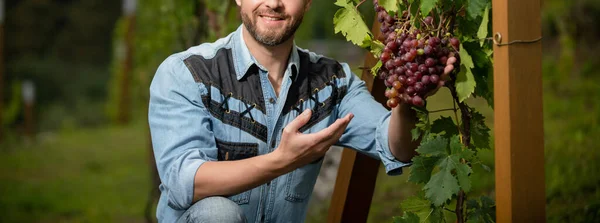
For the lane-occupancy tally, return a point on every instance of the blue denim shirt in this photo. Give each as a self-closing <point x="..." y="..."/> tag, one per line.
<point x="214" y="102"/>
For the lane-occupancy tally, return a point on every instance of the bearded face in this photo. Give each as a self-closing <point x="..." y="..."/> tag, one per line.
<point x="272" y="22"/>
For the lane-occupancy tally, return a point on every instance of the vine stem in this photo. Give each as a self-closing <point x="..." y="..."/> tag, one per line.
<point x="465" y="133"/>
<point x="360" y="3"/>
<point x="442" y="110"/>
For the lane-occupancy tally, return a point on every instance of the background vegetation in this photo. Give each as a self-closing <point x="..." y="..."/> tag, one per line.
<point x="83" y="165"/>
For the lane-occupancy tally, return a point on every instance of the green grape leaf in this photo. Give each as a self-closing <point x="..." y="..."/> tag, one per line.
<point x="442" y="186"/>
<point x="391" y="6"/>
<point x="480" y="133"/>
<point x="408" y="217"/>
<point x="444" y="124"/>
<point x="416" y="133"/>
<point x="475" y="7"/>
<point x="420" y="170"/>
<point x="437" y="215"/>
<point x="427" y="5"/>
<point x="465" y="57"/>
<point x="483" y="28"/>
<point x="376" y="47"/>
<point x="418" y="205"/>
<point x="376" y="68"/>
<point x="349" y="22"/>
<point x="433" y="146"/>
<point x="481" y="210"/>
<point x="465" y="82"/>
<point x="462" y="173"/>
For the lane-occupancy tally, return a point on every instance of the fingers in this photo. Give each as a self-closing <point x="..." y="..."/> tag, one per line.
<point x="335" y="130"/>
<point x="298" y="122"/>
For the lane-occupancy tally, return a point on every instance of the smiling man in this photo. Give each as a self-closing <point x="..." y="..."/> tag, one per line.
<point x="239" y="126"/>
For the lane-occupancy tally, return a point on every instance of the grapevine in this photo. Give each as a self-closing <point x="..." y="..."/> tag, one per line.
<point x="423" y="46"/>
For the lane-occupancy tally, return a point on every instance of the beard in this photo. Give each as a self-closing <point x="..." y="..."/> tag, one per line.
<point x="271" y="37"/>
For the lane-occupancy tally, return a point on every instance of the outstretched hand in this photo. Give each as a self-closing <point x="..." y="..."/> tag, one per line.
<point x="298" y="149"/>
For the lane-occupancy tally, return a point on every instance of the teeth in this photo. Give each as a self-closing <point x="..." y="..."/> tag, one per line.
<point x="271" y="18"/>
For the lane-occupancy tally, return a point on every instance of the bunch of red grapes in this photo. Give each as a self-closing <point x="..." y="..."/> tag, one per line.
<point x="414" y="60"/>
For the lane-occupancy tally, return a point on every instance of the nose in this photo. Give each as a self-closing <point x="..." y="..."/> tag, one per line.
<point x="273" y="4"/>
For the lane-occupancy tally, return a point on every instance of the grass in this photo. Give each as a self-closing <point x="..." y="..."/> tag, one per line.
<point x="91" y="175"/>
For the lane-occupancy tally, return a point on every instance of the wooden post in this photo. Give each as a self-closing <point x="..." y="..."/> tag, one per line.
<point x="357" y="174"/>
<point x="1" y="68"/>
<point x="129" y="8"/>
<point x="518" y="118"/>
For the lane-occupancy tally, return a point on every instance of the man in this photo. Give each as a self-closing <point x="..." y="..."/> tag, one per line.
<point x="239" y="126"/>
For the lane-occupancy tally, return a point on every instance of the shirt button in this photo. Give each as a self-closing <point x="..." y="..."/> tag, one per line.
<point x="272" y="100"/>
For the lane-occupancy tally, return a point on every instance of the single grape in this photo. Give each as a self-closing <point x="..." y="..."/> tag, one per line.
<point x="444" y="59"/>
<point x="430" y="62"/>
<point x="420" y="52"/>
<point x="392" y="102"/>
<point x="419" y="87"/>
<point x="425" y="79"/>
<point x="385" y="56"/>
<point x="393" y="93"/>
<point x="410" y="90"/>
<point x="387" y="93"/>
<point x="428" y="20"/>
<point x="414" y="67"/>
<point x="418" y="101"/>
<point x="423" y="68"/>
<point x="399" y="70"/>
<point x="411" y="81"/>
<point x="397" y="85"/>
<point x="418" y="75"/>
<point x="392" y="78"/>
<point x="389" y="65"/>
<point x="434" y="79"/>
<point x="455" y="43"/>
<point x="432" y="70"/>
<point x="427" y="50"/>
<point x="402" y="79"/>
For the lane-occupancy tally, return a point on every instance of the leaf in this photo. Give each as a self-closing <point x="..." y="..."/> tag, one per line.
<point x="418" y="205"/>
<point x="437" y="215"/>
<point x="420" y="170"/>
<point x="427" y="5"/>
<point x="480" y="133"/>
<point x="433" y="146"/>
<point x="376" y="48"/>
<point x="444" y="124"/>
<point x="416" y="133"/>
<point x="453" y="163"/>
<point x="348" y="21"/>
<point x="483" y="28"/>
<point x="376" y="68"/>
<point x="465" y="82"/>
<point x="481" y="210"/>
<point x="390" y="6"/>
<point x="462" y="173"/>
<point x="442" y="186"/>
<point x="408" y="217"/>
<point x="475" y="7"/>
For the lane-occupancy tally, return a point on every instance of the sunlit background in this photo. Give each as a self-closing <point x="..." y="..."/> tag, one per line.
<point x="74" y="143"/>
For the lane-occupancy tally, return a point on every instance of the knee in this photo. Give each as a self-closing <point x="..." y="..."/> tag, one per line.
<point x="215" y="209"/>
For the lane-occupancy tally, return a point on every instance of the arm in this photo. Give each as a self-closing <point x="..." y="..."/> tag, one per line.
<point x="402" y="121"/>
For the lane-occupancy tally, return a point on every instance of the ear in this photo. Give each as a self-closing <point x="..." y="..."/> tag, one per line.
<point x="238" y="2"/>
<point x="307" y="6"/>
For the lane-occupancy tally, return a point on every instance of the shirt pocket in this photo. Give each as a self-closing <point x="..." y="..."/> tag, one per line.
<point x="301" y="181"/>
<point x="229" y="151"/>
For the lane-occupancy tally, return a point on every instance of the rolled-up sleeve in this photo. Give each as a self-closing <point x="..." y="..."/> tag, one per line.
<point x="180" y="129"/>
<point x="368" y="131"/>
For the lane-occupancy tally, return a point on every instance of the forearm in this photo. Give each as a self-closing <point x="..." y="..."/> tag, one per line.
<point x="232" y="177"/>
<point x="402" y="121"/>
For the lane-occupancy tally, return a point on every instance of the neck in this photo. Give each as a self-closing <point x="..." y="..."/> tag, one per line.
<point x="273" y="58"/>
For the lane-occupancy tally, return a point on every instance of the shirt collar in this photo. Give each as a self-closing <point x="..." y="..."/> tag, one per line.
<point x="243" y="60"/>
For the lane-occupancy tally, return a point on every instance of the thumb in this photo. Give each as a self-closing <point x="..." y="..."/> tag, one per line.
<point x="298" y="122"/>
